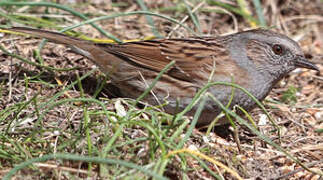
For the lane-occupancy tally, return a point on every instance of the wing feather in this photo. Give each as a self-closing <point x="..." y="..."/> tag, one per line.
<point x="189" y="55"/>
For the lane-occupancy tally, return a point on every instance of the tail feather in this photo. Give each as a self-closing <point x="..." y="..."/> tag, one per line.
<point x="105" y="60"/>
<point x="52" y="36"/>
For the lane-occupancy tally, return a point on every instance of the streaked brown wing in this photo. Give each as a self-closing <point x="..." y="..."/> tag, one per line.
<point x="190" y="55"/>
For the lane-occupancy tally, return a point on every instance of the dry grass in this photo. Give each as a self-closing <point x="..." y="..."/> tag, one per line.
<point x="46" y="112"/>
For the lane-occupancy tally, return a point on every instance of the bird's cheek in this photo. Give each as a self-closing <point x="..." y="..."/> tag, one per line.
<point x="289" y="66"/>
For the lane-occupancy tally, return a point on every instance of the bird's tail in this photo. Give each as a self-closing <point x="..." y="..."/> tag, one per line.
<point x="52" y="36"/>
<point x="86" y="48"/>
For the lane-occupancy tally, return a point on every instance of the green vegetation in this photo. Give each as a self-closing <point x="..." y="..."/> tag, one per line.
<point x="63" y="127"/>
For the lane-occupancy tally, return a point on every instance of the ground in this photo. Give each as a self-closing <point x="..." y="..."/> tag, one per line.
<point x="61" y="111"/>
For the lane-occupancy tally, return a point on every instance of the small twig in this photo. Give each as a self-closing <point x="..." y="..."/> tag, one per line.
<point x="53" y="166"/>
<point x="298" y="170"/>
<point x="151" y="91"/>
<point x="318" y="77"/>
<point x="302" y="17"/>
<point x="234" y="19"/>
<point x="184" y="19"/>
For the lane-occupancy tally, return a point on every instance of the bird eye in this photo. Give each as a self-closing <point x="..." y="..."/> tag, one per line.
<point x="278" y="49"/>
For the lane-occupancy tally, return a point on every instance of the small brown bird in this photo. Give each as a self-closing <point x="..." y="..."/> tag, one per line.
<point x="255" y="59"/>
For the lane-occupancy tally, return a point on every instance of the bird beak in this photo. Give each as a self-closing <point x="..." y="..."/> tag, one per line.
<point x="301" y="62"/>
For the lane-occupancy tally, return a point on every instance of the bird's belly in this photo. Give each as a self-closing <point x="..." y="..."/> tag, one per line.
<point x="177" y="95"/>
<point x="212" y="110"/>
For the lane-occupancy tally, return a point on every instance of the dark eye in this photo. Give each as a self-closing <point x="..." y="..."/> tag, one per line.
<point x="278" y="49"/>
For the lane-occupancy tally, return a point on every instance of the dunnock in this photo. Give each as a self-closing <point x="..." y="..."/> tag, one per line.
<point x="255" y="59"/>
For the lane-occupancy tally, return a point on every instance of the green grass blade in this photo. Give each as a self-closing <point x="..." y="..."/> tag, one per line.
<point x="73" y="157"/>
<point x="259" y="134"/>
<point x="149" y="19"/>
<point x="260" y="14"/>
<point x="193" y="17"/>
<point x="128" y="14"/>
<point x="154" y="82"/>
<point x="233" y="9"/>
<point x="193" y="123"/>
<point x="58" y="6"/>
<point x="33" y="63"/>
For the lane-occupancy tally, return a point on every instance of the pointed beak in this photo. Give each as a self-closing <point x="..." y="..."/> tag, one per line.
<point x="301" y="62"/>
